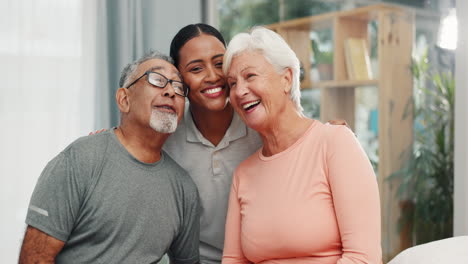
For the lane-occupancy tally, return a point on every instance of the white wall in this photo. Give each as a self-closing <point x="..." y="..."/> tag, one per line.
<point x="461" y="123"/>
<point x="47" y="91"/>
<point x="45" y="102"/>
<point x="170" y="17"/>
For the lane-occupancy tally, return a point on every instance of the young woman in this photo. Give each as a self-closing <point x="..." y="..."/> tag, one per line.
<point x="211" y="140"/>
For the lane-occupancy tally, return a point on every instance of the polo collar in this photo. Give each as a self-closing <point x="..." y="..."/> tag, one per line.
<point x="236" y="130"/>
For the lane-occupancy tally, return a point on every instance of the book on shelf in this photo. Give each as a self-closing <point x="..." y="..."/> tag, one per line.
<point x="357" y="59"/>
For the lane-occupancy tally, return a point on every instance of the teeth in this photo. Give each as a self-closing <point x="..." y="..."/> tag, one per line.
<point x="212" y="91"/>
<point x="166" y="107"/>
<point x="250" y="104"/>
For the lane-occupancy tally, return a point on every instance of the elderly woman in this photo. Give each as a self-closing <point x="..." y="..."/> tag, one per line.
<point x="309" y="195"/>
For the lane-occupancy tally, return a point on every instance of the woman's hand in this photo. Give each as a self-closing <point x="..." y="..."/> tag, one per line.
<point x="339" y="122"/>
<point x="102" y="130"/>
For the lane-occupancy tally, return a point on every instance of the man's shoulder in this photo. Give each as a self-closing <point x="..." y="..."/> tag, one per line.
<point x="88" y="148"/>
<point x="179" y="173"/>
<point x="173" y="166"/>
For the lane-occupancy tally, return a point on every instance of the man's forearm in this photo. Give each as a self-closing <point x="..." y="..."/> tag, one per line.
<point x="39" y="247"/>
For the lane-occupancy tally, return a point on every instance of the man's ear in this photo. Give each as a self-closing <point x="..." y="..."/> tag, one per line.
<point x="287" y="77"/>
<point x="121" y="97"/>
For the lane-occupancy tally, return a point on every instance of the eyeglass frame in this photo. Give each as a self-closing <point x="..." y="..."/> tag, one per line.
<point x="186" y="90"/>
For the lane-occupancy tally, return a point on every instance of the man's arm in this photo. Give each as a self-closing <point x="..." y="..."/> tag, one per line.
<point x="185" y="247"/>
<point x="39" y="247"/>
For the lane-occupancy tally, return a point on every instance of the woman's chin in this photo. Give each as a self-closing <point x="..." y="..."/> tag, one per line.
<point x="257" y="124"/>
<point x="220" y="105"/>
<point x="214" y="105"/>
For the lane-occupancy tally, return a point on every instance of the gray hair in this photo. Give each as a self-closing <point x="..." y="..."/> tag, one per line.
<point x="275" y="50"/>
<point x="128" y="73"/>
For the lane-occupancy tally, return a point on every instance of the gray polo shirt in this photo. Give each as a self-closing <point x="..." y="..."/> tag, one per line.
<point x="109" y="207"/>
<point x="211" y="168"/>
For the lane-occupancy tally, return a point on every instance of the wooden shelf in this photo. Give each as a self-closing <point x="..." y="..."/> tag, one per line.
<point x="326" y="20"/>
<point x="342" y="84"/>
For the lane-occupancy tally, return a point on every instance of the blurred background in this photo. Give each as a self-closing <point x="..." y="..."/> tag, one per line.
<point x="60" y="61"/>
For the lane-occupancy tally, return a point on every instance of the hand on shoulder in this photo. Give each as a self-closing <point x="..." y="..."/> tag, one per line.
<point x="97" y="131"/>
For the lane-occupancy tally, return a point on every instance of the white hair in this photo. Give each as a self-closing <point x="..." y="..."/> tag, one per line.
<point x="275" y="50"/>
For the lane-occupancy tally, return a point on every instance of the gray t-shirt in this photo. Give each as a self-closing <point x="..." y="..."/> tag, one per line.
<point x="111" y="208"/>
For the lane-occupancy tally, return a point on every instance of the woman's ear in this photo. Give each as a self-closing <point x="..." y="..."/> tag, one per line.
<point x="287" y="78"/>
<point x="121" y="97"/>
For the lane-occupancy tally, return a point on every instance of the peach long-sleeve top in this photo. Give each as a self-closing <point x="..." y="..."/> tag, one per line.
<point x="315" y="202"/>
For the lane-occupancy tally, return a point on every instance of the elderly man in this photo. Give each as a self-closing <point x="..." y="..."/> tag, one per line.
<point x="115" y="197"/>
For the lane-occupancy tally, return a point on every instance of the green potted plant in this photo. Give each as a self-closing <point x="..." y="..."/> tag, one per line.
<point x="323" y="61"/>
<point x="426" y="179"/>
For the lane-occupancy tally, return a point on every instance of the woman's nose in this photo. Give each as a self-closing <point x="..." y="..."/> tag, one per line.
<point x="212" y="74"/>
<point x="240" y="89"/>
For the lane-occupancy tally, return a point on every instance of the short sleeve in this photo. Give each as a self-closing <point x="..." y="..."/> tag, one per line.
<point x="55" y="202"/>
<point x="185" y="248"/>
<point x="355" y="198"/>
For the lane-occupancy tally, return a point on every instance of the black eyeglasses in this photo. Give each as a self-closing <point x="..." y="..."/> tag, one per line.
<point x="160" y="81"/>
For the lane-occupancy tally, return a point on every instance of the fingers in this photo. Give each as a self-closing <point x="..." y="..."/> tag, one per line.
<point x="338" y="122"/>
<point x="97" y="132"/>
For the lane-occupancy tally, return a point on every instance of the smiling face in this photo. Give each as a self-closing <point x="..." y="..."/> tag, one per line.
<point x="160" y="108"/>
<point x="258" y="93"/>
<point x="200" y="63"/>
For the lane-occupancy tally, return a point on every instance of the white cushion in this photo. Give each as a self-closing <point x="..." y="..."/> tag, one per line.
<point x="446" y="251"/>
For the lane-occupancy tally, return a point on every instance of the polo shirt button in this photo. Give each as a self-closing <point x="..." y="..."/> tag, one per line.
<point x="215" y="164"/>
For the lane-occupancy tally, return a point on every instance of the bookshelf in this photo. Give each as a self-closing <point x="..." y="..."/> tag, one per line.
<point x="395" y="27"/>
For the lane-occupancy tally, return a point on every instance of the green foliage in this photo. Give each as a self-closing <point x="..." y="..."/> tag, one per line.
<point x="303" y="8"/>
<point x="427" y="175"/>
<point x="239" y="15"/>
<point x="321" y="57"/>
<point x="415" y="3"/>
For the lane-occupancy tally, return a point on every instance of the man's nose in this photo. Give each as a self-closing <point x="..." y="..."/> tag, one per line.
<point x="169" y="90"/>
